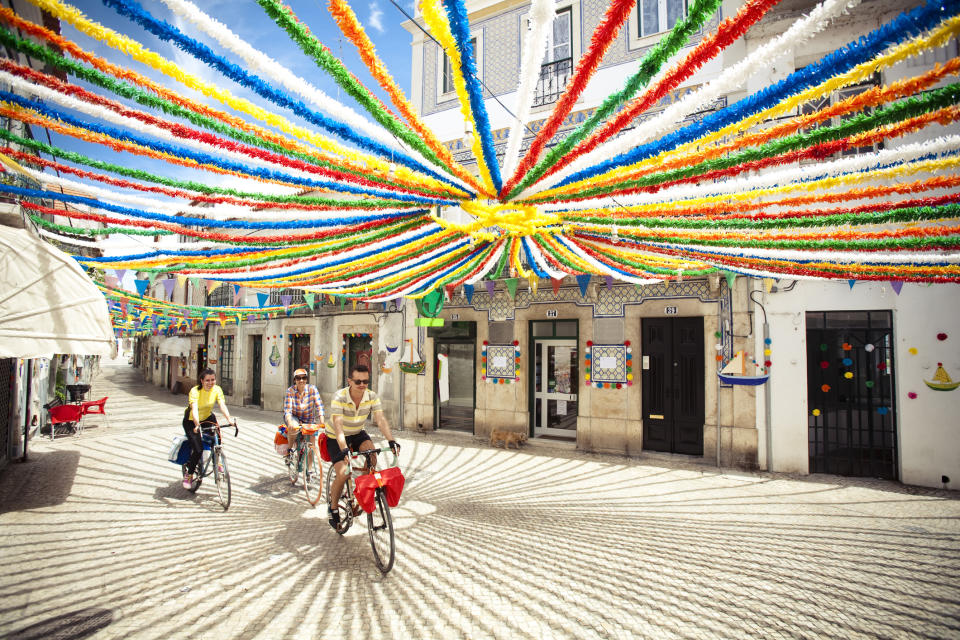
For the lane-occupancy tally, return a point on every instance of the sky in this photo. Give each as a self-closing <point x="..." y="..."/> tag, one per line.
<point x="380" y="19"/>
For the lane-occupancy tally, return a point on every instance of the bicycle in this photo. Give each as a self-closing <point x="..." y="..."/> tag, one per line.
<point x="379" y="521"/>
<point x="304" y="458"/>
<point x="213" y="461"/>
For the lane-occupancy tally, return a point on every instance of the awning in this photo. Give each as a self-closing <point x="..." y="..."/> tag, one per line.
<point x="175" y="346"/>
<point x="47" y="303"/>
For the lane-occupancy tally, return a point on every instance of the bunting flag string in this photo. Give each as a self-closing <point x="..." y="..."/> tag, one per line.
<point x="825" y="173"/>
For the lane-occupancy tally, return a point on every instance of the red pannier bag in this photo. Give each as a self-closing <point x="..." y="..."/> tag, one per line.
<point x="391" y="479"/>
<point x="322" y="443"/>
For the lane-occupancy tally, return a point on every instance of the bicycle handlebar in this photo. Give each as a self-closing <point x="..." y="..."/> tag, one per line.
<point x="210" y="426"/>
<point x="368" y="452"/>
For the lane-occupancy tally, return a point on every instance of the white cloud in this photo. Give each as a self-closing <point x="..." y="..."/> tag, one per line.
<point x="376" y="17"/>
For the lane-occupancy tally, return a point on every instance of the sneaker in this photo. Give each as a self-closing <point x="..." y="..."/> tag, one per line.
<point x="333" y="517"/>
<point x="187" y="482"/>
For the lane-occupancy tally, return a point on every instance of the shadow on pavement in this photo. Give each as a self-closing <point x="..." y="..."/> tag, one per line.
<point x="68" y="626"/>
<point x="45" y="480"/>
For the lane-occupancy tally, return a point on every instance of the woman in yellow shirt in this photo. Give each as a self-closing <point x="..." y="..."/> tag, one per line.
<point x="200" y="403"/>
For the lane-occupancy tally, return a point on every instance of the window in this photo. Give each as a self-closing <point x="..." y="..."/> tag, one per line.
<point x="557" y="64"/>
<point x="659" y="15"/>
<point x="277" y="297"/>
<point x="359" y="351"/>
<point x="226" y="365"/>
<point x="222" y="296"/>
<point x="838" y="96"/>
<point x="447" y="79"/>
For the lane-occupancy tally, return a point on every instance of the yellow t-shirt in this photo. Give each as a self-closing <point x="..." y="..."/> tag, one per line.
<point x="206" y="400"/>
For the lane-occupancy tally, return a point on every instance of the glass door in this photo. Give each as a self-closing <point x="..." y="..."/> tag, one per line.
<point x="556" y="377"/>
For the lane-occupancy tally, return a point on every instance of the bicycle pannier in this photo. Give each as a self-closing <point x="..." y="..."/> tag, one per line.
<point x="179" y="450"/>
<point x="322" y="443"/>
<point x="280" y="441"/>
<point x="391" y="479"/>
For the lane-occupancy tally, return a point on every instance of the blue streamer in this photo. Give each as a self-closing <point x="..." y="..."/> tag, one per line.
<point x="460" y="27"/>
<point x="204" y="222"/>
<point x="132" y="10"/>
<point x="525" y="243"/>
<point x="904" y="26"/>
<point x="326" y="265"/>
<point x="443" y="274"/>
<point x="205" y="158"/>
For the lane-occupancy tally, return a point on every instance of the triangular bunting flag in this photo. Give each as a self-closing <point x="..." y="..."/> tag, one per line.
<point x="491" y="287"/>
<point x="262" y="299"/>
<point x="767" y="284"/>
<point x="609" y="280"/>
<point x="730" y="276"/>
<point x="851" y="283"/>
<point x="141" y="286"/>
<point x="236" y="289"/>
<point x="896" y="285"/>
<point x="309" y="299"/>
<point x="583" y="281"/>
<point x="168" y="284"/>
<point x="468" y="293"/>
<point x="211" y="285"/>
<point x="534" y="283"/>
<point x="512" y="286"/>
<point x="285" y="300"/>
<point x="555" y="283"/>
<point x="343" y="301"/>
<point x="120" y="273"/>
<point x="181" y="280"/>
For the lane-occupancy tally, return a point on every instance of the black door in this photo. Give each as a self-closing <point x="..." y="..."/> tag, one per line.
<point x="673" y="401"/>
<point x="850" y="394"/>
<point x="255" y="370"/>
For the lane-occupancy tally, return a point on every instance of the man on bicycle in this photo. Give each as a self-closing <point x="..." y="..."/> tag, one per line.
<point x="349" y="411"/>
<point x="301" y="405"/>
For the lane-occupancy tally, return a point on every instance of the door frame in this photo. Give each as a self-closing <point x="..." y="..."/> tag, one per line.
<point x="256" y="369"/>
<point x="531" y="366"/>
<point x="436" y="388"/>
<point x="678" y="425"/>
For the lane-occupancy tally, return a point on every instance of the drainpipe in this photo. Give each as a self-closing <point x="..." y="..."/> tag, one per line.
<point x="403" y="338"/>
<point x="719" y="326"/>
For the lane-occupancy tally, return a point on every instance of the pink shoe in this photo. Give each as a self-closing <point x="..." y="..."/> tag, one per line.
<point x="187" y="483"/>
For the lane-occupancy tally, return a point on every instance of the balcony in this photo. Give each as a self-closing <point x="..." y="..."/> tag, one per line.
<point x="552" y="81"/>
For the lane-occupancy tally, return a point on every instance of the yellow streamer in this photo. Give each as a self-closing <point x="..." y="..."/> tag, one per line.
<point x="938" y="37"/>
<point x="438" y="26"/>
<point x="138" y="52"/>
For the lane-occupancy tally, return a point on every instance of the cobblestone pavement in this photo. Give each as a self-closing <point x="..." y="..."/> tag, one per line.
<point x="98" y="539"/>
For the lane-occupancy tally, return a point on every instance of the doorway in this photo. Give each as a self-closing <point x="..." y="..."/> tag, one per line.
<point x="299" y="355"/>
<point x="555" y="378"/>
<point x="673" y="385"/>
<point x="454" y="388"/>
<point x="850" y="388"/>
<point x="256" y="351"/>
<point x="359" y="350"/>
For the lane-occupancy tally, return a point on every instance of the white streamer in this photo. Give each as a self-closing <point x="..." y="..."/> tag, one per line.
<point x="730" y="80"/>
<point x="602" y="268"/>
<point x="541" y="260"/>
<point x="541" y="18"/>
<point x="268" y="68"/>
<point x="905" y="154"/>
<point x="487" y="266"/>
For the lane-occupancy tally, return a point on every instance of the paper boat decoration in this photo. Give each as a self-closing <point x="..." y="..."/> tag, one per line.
<point x="331" y="362"/>
<point x="941" y="380"/>
<point x="411" y="367"/>
<point x="736" y="372"/>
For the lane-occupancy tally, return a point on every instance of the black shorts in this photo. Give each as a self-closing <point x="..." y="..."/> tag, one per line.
<point x="353" y="442"/>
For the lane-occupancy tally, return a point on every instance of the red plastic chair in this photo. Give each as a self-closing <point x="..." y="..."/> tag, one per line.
<point x="96" y="407"/>
<point x="69" y="414"/>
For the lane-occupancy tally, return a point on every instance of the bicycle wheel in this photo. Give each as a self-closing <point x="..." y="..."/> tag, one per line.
<point x="343" y="504"/>
<point x="312" y="476"/>
<point x="222" y="476"/>
<point x="380" y="530"/>
<point x="293" y="465"/>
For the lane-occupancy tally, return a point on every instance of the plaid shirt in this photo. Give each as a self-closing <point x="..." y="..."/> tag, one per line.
<point x="307" y="407"/>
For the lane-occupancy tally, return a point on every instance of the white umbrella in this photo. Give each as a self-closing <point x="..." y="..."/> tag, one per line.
<point x="47" y="303"/>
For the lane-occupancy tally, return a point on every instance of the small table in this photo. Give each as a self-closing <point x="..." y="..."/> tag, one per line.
<point x="77" y="391"/>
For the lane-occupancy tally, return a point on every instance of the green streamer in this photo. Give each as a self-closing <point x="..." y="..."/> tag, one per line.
<point x="656" y="57"/>
<point x="131" y="92"/>
<point x="886" y="115"/>
<point x="329" y="63"/>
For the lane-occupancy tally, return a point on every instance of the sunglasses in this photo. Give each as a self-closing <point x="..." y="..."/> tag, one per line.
<point x="365" y="381"/>
<point x="299" y="377"/>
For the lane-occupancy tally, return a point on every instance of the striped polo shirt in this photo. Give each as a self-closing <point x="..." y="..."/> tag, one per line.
<point x="354" y="417"/>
